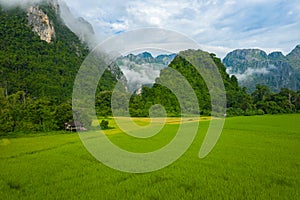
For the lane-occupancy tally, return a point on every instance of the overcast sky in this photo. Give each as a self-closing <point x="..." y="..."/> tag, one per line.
<point x="218" y="26"/>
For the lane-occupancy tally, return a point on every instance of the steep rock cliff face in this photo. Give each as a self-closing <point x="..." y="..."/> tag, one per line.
<point x="40" y="23"/>
<point x="294" y="58"/>
<point x="254" y="66"/>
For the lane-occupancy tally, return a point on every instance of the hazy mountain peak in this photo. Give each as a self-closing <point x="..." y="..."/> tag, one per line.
<point x="295" y="52"/>
<point x="254" y="66"/>
<point x="276" y="56"/>
<point x="145" y="55"/>
<point x="248" y="54"/>
<point x="294" y="59"/>
<point x="54" y="4"/>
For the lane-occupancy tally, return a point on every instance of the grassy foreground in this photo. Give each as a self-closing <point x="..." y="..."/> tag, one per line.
<point x="256" y="158"/>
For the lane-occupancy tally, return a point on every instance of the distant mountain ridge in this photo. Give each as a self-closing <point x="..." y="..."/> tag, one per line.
<point x="254" y="66"/>
<point x="159" y="94"/>
<point x="142" y="69"/>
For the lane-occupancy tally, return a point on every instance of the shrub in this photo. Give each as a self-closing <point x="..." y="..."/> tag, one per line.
<point x="260" y="112"/>
<point x="104" y="124"/>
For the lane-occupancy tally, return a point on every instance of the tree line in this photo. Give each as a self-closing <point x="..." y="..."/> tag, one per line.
<point x="239" y="102"/>
<point x="22" y="113"/>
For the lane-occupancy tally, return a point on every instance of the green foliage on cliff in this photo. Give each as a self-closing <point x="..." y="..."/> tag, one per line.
<point x="29" y="64"/>
<point x="37" y="77"/>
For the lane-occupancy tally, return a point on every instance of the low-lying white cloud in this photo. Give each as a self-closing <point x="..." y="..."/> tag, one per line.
<point x="140" y="72"/>
<point x="21" y="3"/>
<point x="249" y="72"/>
<point x="136" y="79"/>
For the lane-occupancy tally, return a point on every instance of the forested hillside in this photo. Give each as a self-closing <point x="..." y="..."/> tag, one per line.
<point x="261" y="101"/>
<point x="34" y="66"/>
<point x="39" y="60"/>
<point x="237" y="97"/>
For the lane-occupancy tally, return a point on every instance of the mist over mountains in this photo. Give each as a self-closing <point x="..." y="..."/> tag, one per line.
<point x="254" y="66"/>
<point x="142" y="69"/>
<point x="82" y="28"/>
<point x="250" y="66"/>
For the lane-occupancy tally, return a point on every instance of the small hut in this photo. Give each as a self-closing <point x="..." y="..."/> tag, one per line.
<point x="74" y="126"/>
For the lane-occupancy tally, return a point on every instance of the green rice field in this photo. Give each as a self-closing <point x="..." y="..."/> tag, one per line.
<point x="255" y="158"/>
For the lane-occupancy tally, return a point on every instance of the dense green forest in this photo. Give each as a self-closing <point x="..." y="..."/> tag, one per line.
<point x="37" y="81"/>
<point x="239" y="102"/>
<point x="37" y="77"/>
<point x="31" y="65"/>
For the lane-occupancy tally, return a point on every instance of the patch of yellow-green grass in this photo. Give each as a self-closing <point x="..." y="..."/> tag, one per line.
<point x="144" y="122"/>
<point x="4" y="142"/>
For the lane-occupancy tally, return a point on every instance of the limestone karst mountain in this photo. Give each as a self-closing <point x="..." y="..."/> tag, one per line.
<point x="254" y="66"/>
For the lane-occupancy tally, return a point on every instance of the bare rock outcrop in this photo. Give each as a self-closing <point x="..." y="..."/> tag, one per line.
<point x="40" y="23"/>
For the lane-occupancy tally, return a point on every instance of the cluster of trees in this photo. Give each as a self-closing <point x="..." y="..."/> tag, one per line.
<point x="286" y="101"/>
<point x="21" y="113"/>
<point x="260" y="102"/>
<point x="263" y="101"/>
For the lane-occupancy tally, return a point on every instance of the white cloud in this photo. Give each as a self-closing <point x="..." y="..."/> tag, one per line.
<point x="22" y="3"/>
<point x="219" y="24"/>
<point x="142" y="75"/>
<point x="249" y="72"/>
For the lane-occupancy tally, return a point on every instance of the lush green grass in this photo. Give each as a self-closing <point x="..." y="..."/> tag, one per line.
<point x="255" y="158"/>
